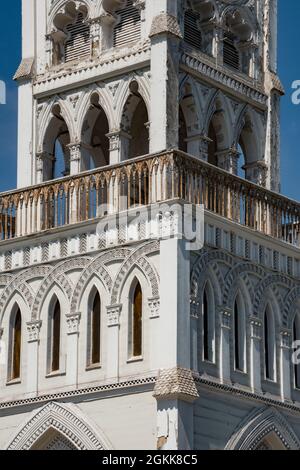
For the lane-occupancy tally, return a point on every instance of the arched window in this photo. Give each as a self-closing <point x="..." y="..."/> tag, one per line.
<point x="296" y="337"/>
<point x="16" y="346"/>
<point x="192" y="33"/>
<point x="95" y="331"/>
<point x="269" y="345"/>
<point x="56" y="337"/>
<point x="231" y="55"/>
<point x="239" y="335"/>
<point x="136" y="322"/>
<point x="128" y="29"/>
<point x="208" y="325"/>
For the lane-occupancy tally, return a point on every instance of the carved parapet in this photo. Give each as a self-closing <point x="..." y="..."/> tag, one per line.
<point x="176" y="384"/>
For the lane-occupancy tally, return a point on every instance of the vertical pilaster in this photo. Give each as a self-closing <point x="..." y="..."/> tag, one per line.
<point x="164" y="117"/>
<point x="255" y="354"/>
<point x="113" y="323"/>
<point x="73" y="323"/>
<point x="33" y="339"/>
<point x="285" y="364"/>
<point x="225" y="322"/>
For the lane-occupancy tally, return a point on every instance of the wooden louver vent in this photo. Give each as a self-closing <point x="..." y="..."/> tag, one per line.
<point x="231" y="56"/>
<point x="78" y="44"/>
<point x="128" y="29"/>
<point x="192" y="35"/>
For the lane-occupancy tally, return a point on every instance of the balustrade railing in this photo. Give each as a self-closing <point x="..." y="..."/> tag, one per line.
<point x="142" y="181"/>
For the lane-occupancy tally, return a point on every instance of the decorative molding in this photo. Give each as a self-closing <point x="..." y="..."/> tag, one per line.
<point x="68" y="420"/>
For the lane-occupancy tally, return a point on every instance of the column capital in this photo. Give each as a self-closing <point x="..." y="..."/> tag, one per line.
<point x="226" y="314"/>
<point x="74" y="149"/>
<point x="154" y="307"/>
<point x="33" y="331"/>
<point x="285" y="339"/>
<point x="113" y="315"/>
<point x="256" y="328"/>
<point x="73" y="322"/>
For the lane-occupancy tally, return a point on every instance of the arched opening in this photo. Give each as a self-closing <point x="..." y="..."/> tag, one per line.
<point x="135" y="124"/>
<point x="296" y="337"/>
<point x="212" y="145"/>
<point x="241" y="166"/>
<point x="136" y="321"/>
<point x="55" y="335"/>
<point x="208" y="325"/>
<point x="95" y="143"/>
<point x="94" y="328"/>
<point x="56" y="157"/>
<point x="71" y="37"/>
<point x="182" y="132"/>
<point x="271" y="442"/>
<point x="128" y="27"/>
<point x="269" y="345"/>
<point x="239" y="334"/>
<point x="16" y="342"/>
<point x="53" y="440"/>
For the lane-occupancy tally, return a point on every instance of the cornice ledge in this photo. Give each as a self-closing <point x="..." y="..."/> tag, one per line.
<point x="165" y="24"/>
<point x="177" y="383"/>
<point x="25" y="70"/>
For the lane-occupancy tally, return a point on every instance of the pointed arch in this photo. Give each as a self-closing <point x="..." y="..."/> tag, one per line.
<point x="15" y="344"/>
<point x="95" y="143"/>
<point x="54" y="335"/>
<point x="67" y="420"/>
<point x="296" y="337"/>
<point x="135" y="320"/>
<point x="261" y="425"/>
<point x="135" y="124"/>
<point x="189" y="121"/>
<point x="270" y="351"/>
<point x="239" y="333"/>
<point x="208" y="324"/>
<point x="94" y="328"/>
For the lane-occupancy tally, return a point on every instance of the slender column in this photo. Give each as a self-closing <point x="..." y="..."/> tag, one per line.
<point x="255" y="354"/>
<point x="226" y="319"/>
<point x="33" y="332"/>
<point x="75" y="158"/>
<point x="285" y="364"/>
<point x="73" y="323"/>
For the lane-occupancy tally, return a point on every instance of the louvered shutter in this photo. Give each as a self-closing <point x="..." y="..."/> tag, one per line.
<point x="78" y="44"/>
<point x="231" y="56"/>
<point x="192" y="35"/>
<point x="128" y="30"/>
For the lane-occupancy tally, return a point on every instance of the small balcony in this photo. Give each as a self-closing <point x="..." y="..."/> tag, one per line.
<point x="139" y="182"/>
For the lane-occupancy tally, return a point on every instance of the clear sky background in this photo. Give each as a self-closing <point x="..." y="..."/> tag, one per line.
<point x="289" y="69"/>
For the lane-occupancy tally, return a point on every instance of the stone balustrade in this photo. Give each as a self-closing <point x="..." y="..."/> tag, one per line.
<point x="142" y="181"/>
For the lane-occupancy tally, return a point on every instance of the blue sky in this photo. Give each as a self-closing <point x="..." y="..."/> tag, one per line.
<point x="289" y="68"/>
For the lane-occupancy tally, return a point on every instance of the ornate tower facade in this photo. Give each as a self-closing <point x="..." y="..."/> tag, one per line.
<point x="113" y="333"/>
